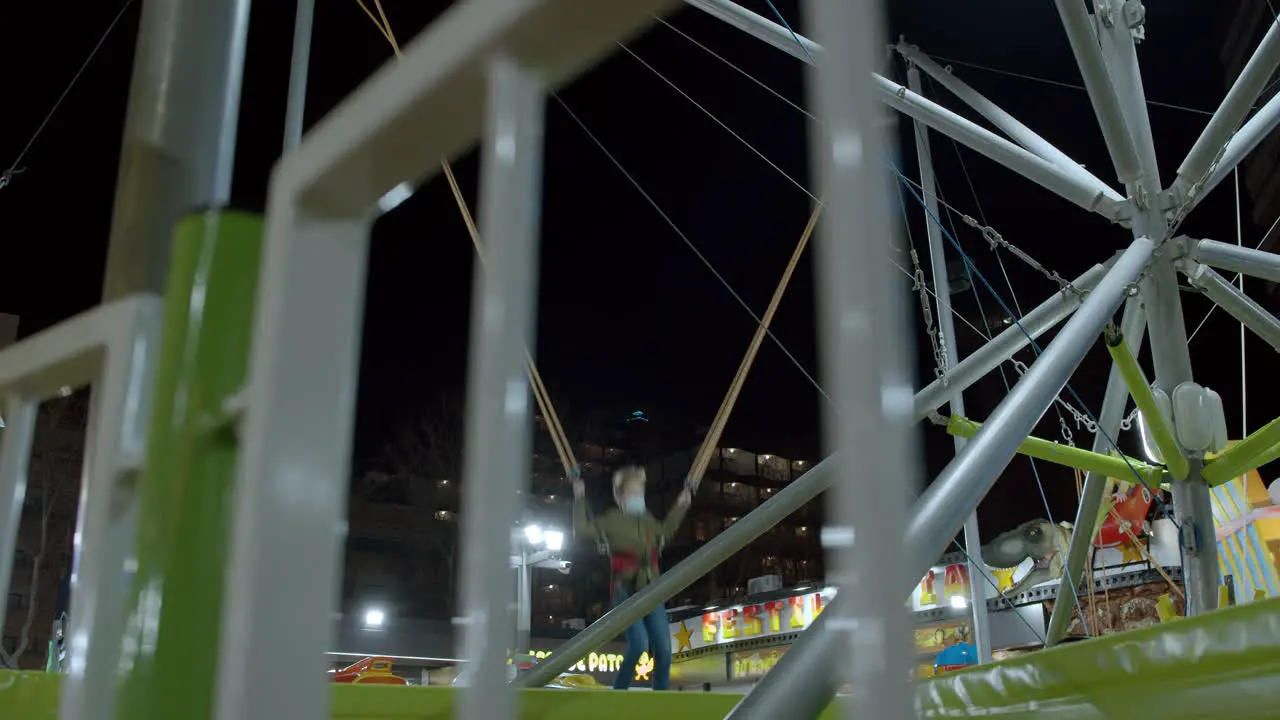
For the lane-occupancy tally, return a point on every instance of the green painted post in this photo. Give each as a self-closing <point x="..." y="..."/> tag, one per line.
<point x="1112" y="466"/>
<point x="169" y="667"/>
<point x="1250" y="453"/>
<point x="1140" y="389"/>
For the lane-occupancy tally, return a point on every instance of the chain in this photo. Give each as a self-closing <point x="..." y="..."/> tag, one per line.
<point x="996" y="240"/>
<point x="1066" y="431"/>
<point x="938" y="342"/>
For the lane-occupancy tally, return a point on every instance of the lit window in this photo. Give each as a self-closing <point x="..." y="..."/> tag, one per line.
<point x="444" y="515"/>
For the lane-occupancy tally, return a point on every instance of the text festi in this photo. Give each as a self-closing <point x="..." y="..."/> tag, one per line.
<point x="603" y="663"/>
<point x="763" y="619"/>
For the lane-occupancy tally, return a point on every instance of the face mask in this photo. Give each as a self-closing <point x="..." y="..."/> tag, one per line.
<point x="633" y="505"/>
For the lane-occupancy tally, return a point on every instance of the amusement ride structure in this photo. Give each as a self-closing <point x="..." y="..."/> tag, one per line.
<point x="224" y="373"/>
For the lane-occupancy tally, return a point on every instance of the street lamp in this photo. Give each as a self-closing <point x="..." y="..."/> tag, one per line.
<point x="374" y="618"/>
<point x="540" y="548"/>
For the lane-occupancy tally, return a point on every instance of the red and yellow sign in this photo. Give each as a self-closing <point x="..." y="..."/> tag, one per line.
<point x="746" y="622"/>
<point x="753" y="664"/>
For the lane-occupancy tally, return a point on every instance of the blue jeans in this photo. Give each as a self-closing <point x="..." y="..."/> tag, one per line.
<point x="652" y="633"/>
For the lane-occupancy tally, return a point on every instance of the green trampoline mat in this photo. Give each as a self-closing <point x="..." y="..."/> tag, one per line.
<point x="1225" y="665"/>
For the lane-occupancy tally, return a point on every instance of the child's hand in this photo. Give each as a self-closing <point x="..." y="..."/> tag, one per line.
<point x="684" y="498"/>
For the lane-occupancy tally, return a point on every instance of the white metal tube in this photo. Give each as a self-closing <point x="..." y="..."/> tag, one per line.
<point x="179" y="135"/>
<point x="864" y="343"/>
<point x="498" y="415"/>
<point x="1254" y="263"/>
<point x="299" y="63"/>
<point x="1026" y="164"/>
<point x="1116" y="396"/>
<point x="1246" y="140"/>
<point x="1121" y="56"/>
<point x="946" y="337"/>
<point x="1227" y="118"/>
<point x="1240" y="306"/>
<point x="1023" y="162"/>
<point x="860" y="313"/>
<point x="1003" y="346"/>
<point x="1021" y="134"/>
<point x="760" y="28"/>
<point x="1097" y="81"/>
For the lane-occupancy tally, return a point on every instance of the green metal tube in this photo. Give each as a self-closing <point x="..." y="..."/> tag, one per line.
<point x="1248" y="454"/>
<point x="1140" y="389"/>
<point x="169" y="664"/>
<point x="1118" y="467"/>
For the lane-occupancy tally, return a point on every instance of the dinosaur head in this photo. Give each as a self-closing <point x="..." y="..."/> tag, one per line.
<point x="1035" y="539"/>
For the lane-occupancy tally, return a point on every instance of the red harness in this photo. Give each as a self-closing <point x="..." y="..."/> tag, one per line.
<point x="628" y="562"/>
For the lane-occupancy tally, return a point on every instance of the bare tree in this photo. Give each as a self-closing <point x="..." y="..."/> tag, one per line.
<point x="421" y="466"/>
<point x="57" y="457"/>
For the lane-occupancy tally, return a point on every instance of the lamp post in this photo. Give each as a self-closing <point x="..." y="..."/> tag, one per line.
<point x="538" y="547"/>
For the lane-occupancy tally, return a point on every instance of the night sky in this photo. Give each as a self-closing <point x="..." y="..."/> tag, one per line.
<point x="629" y="317"/>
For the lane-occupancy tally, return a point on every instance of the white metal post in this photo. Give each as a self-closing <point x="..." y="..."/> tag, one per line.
<point x="1133" y="325"/>
<point x="946" y="333"/>
<point x="864" y="343"/>
<point x="860" y="313"/>
<point x="113" y="349"/>
<point x="496" y="465"/>
<point x="15" y="454"/>
<point x="299" y="64"/>
<point x="180" y="133"/>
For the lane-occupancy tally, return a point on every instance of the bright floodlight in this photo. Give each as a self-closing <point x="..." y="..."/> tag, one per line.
<point x="958" y="601"/>
<point x="533" y="534"/>
<point x="373" y="618"/>
<point x="554" y="539"/>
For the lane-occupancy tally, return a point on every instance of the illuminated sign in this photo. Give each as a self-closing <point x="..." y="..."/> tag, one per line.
<point x="598" y="662"/>
<point x="753" y="664"/>
<point x="748" y="622"/>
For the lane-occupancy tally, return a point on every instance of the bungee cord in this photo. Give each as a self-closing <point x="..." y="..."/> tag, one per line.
<point x="559" y="438"/>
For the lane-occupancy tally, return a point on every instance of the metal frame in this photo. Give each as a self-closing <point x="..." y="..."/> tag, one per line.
<point x="494" y="59"/>
<point x="113" y="349"/>
<point x="1133" y="325"/>
<point x="1023" y="135"/>
<point x="292" y="481"/>
<point x="946" y="337"/>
